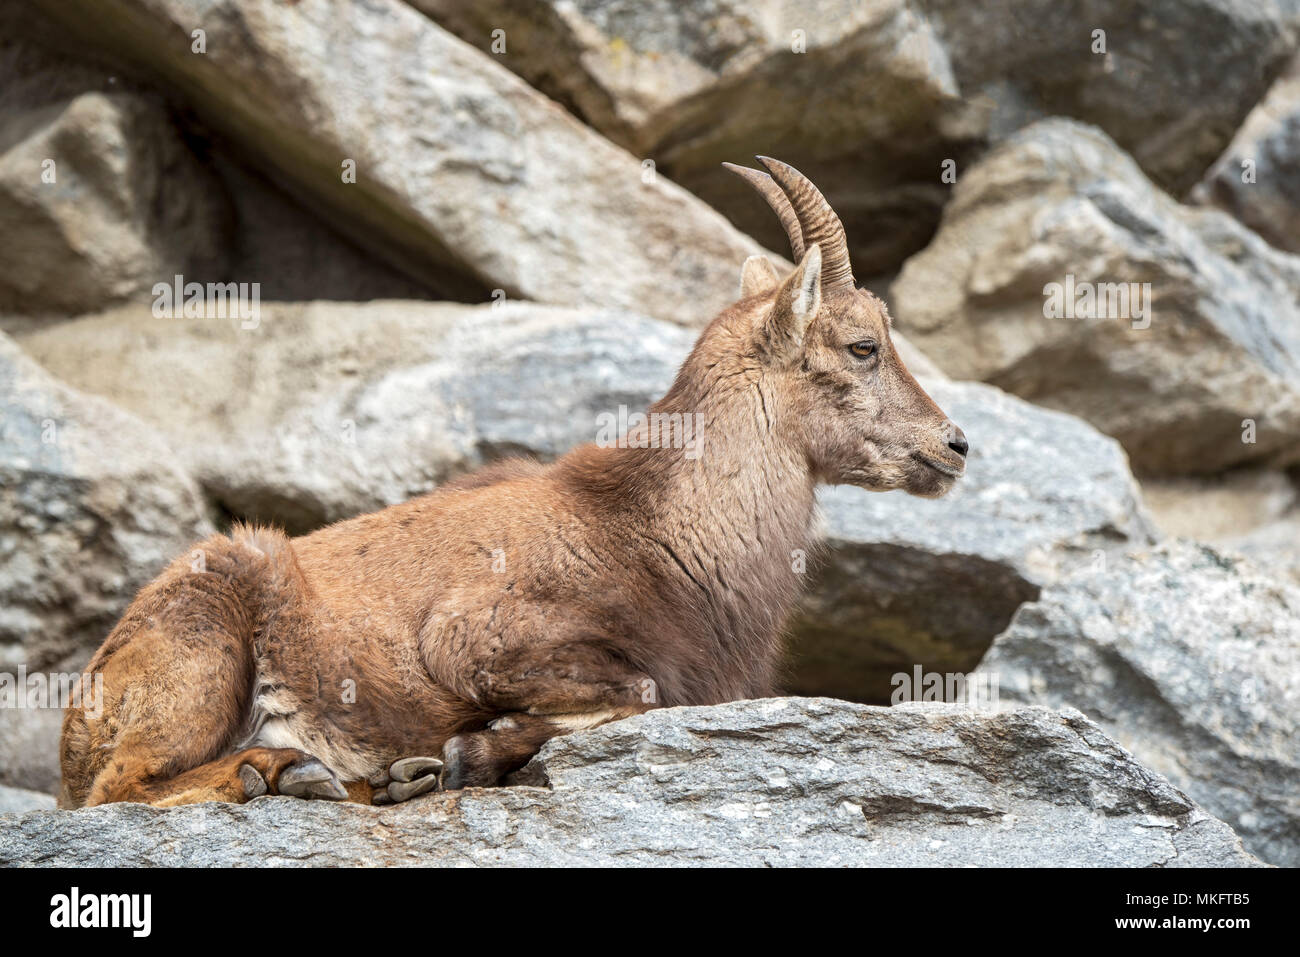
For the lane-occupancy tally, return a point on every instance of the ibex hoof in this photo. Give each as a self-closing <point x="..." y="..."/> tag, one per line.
<point x="310" y="779"/>
<point x="405" y="779"/>
<point x="253" y="783"/>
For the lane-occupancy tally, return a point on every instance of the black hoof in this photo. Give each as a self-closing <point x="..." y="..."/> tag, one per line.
<point x="312" y="780"/>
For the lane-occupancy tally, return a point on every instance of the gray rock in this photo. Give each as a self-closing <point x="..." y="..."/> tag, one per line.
<point x="869" y="106"/>
<point x="465" y="177"/>
<point x="328" y="410"/>
<point x="20" y="800"/>
<point x="1060" y="204"/>
<point x="882" y="93"/>
<point x="291" y="253"/>
<point x="1257" y="179"/>
<point x="911" y="581"/>
<point x="784" y="782"/>
<point x="123" y="205"/>
<point x="1255" y="513"/>
<point x="29" y="741"/>
<point x="1175" y="82"/>
<point x="92" y="506"/>
<point x="1188" y="658"/>
<point x="263" y="235"/>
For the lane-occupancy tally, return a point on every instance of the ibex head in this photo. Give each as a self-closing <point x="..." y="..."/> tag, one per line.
<point x="825" y="344"/>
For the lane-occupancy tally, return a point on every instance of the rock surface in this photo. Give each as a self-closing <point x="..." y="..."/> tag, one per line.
<point x="92" y="506"/>
<point x="99" y="199"/>
<point x="784" y="782"/>
<point x="859" y="96"/>
<point x="327" y="410"/>
<point x="871" y="98"/>
<point x="1178" y="384"/>
<point x="1174" y="82"/>
<point x="910" y="580"/>
<point x="1255" y="513"/>
<point x="1257" y="179"/>
<point x="1187" y="658"/>
<point x="461" y="173"/>
<point x="20" y="801"/>
<point x="29" y="743"/>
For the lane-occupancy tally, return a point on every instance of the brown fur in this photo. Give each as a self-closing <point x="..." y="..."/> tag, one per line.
<point x="633" y="578"/>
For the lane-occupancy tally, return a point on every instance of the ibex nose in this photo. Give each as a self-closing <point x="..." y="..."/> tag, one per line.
<point x="957" y="442"/>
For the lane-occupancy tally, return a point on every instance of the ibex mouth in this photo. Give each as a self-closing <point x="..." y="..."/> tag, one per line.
<point x="953" y="471"/>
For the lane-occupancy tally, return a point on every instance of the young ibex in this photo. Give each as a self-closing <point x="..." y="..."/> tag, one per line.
<point x="524" y="601"/>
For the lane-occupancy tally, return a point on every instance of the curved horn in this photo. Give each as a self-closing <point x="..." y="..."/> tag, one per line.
<point x="779" y="202"/>
<point x="817" y="222"/>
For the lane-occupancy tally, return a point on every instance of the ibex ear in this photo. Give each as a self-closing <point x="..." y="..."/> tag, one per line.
<point x="758" y="277"/>
<point x="781" y="328"/>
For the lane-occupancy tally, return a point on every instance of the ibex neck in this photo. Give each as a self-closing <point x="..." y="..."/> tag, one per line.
<point x="730" y="518"/>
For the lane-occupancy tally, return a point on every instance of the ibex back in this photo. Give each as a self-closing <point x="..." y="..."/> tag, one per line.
<point x="440" y="642"/>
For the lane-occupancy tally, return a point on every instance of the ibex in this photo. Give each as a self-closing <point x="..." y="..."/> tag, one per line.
<point x="440" y="642"/>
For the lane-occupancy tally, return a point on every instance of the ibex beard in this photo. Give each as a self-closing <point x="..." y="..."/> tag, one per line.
<point x="441" y="642"/>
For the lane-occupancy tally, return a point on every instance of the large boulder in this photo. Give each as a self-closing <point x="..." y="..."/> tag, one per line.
<point x="910" y="581"/>
<point x="783" y="781"/>
<point x="871" y="98"/>
<point x="1252" y="512"/>
<point x="1024" y="286"/>
<point x="326" y="410"/>
<point x="425" y="150"/>
<point x="99" y="199"/>
<point x="139" y="194"/>
<point x="1174" y="82"/>
<point x="1188" y="658"/>
<point x="92" y="506"/>
<point x="859" y="96"/>
<point x="1257" y="179"/>
<point x="21" y="800"/>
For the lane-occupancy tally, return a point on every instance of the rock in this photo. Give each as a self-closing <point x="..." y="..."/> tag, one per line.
<point x="92" y="506"/>
<point x="793" y="782"/>
<point x="1206" y="375"/>
<point x="291" y="253"/>
<point x="1188" y="659"/>
<point x="1222" y="507"/>
<point x="428" y="152"/>
<point x="1175" y="81"/>
<point x="29" y="742"/>
<point x="264" y="236"/>
<point x="1247" y="512"/>
<point x="1275" y="546"/>
<point x="99" y="199"/>
<point x="1257" y="179"/>
<point x="343" y="408"/>
<point x="20" y="801"/>
<point x="911" y="581"/>
<point x="868" y="107"/>
<point x="872" y="99"/>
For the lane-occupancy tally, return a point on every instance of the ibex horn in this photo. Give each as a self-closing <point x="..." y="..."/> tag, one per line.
<point x="779" y="202"/>
<point x="817" y="222"/>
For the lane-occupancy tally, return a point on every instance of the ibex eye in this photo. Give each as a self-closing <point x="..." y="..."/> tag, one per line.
<point x="864" y="349"/>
